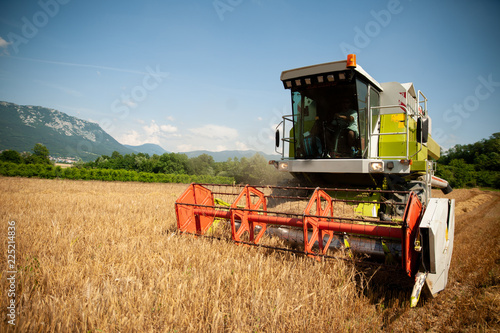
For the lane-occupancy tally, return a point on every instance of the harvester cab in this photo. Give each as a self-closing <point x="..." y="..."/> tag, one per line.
<point x="346" y="129"/>
<point x="363" y="158"/>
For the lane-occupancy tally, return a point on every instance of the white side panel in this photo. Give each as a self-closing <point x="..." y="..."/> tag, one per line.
<point x="439" y="221"/>
<point x="398" y="94"/>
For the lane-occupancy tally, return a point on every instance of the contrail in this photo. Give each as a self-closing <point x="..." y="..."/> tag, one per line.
<point x="80" y="65"/>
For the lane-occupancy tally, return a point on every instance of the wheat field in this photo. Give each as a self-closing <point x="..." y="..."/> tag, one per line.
<point x="105" y="257"/>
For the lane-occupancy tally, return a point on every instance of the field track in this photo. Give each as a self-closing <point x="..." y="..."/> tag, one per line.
<point x="105" y="257"/>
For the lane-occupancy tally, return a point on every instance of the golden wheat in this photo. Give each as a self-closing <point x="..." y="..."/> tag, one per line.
<point x="105" y="257"/>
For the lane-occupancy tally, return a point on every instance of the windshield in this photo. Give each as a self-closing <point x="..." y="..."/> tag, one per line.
<point x="327" y="122"/>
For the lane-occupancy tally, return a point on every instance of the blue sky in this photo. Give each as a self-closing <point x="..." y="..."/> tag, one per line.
<point x="195" y="74"/>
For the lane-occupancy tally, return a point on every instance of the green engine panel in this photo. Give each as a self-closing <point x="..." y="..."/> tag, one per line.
<point x="395" y="145"/>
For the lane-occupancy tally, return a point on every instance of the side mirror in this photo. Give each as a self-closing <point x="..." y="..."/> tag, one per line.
<point x="277" y="143"/>
<point x="422" y="130"/>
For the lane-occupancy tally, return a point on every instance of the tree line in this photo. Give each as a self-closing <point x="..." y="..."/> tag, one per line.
<point x="39" y="155"/>
<point x="254" y="170"/>
<point x="169" y="167"/>
<point x="471" y="165"/>
<point x="49" y="171"/>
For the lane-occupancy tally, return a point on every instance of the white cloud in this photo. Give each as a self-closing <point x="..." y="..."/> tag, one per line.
<point x="152" y="133"/>
<point x="162" y="130"/>
<point x="209" y="137"/>
<point x="4" y="43"/>
<point x="215" y="132"/>
<point x="170" y="118"/>
<point x="130" y="103"/>
<point x="151" y="129"/>
<point x="241" y="146"/>
<point x="168" y="128"/>
<point x="220" y="148"/>
<point x="187" y="147"/>
<point x="133" y="138"/>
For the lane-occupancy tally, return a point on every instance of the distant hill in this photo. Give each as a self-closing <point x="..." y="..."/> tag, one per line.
<point x="23" y="126"/>
<point x="148" y="148"/>
<point x="222" y="156"/>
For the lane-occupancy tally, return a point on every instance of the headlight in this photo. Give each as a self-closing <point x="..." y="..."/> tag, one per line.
<point x="283" y="166"/>
<point x="376" y="166"/>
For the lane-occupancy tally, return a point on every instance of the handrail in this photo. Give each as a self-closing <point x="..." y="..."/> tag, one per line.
<point x="285" y="139"/>
<point x="405" y="133"/>
<point x="389" y="107"/>
<point x="420" y="93"/>
<point x="277" y="135"/>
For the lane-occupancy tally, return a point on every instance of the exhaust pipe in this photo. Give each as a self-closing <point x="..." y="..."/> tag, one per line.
<point x="441" y="184"/>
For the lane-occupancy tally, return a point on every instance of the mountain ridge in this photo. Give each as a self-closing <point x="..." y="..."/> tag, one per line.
<point x="23" y="126"/>
<point x="148" y="148"/>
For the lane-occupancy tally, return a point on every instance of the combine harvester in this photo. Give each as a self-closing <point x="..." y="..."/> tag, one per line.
<point x="364" y="157"/>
